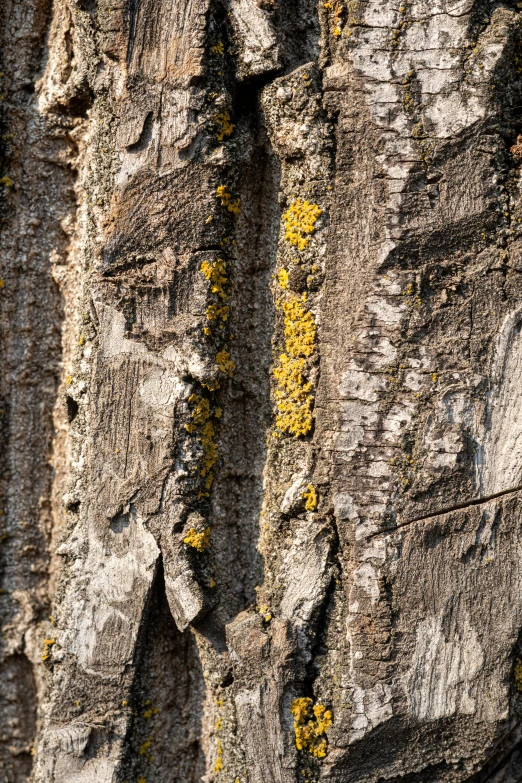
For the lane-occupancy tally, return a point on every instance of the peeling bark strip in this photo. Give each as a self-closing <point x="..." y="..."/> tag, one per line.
<point x="260" y="406"/>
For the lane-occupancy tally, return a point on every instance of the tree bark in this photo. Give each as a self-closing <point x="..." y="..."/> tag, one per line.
<point x="261" y="418"/>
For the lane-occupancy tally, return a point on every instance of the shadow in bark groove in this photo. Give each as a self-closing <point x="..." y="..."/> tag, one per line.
<point x="19" y="711"/>
<point x="167" y="700"/>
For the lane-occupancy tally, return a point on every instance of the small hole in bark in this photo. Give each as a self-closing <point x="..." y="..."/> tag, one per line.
<point x="227" y="680"/>
<point x="119" y="523"/>
<point x="145" y="135"/>
<point x="76" y="105"/>
<point x="72" y="409"/>
<point x="25" y="93"/>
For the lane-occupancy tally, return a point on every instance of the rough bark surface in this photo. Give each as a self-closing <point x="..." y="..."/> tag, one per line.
<point x="261" y="410"/>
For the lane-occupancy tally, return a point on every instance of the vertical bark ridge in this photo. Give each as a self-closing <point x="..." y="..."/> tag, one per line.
<point x="38" y="207"/>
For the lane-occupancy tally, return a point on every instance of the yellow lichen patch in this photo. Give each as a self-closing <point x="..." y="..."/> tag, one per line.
<point x="299" y="329"/>
<point x="518" y="675"/>
<point x="201" y="415"/>
<point x="144" y="749"/>
<point x="265" y="612"/>
<point x="225" y="127"/>
<point x="219" y="48"/>
<point x="218" y="766"/>
<point x="215" y="312"/>
<point x="216" y="274"/>
<point x="310" y="496"/>
<point x="294" y="398"/>
<point x="7" y="181"/>
<point x="210" y="453"/>
<point x="283" y="279"/>
<point x="201" y="410"/>
<point x="225" y="363"/>
<point x="225" y="198"/>
<point x="294" y="401"/>
<point x="199" y="541"/>
<point x="212" y="386"/>
<point x="47" y="644"/>
<point x="311" y="724"/>
<point x="150" y="712"/>
<point x="223" y="194"/>
<point x="300" y="219"/>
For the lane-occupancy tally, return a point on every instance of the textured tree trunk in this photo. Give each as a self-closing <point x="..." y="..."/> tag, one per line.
<point x="261" y="391"/>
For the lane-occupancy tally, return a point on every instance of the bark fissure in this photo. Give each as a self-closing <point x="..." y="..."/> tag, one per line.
<point x="458" y="507"/>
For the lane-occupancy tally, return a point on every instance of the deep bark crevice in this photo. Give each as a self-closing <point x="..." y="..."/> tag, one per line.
<point x="164" y="739"/>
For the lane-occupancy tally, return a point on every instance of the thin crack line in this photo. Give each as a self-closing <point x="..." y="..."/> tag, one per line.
<point x="441" y="512"/>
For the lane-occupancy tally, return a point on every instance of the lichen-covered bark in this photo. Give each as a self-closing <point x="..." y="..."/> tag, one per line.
<point x="261" y="450"/>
